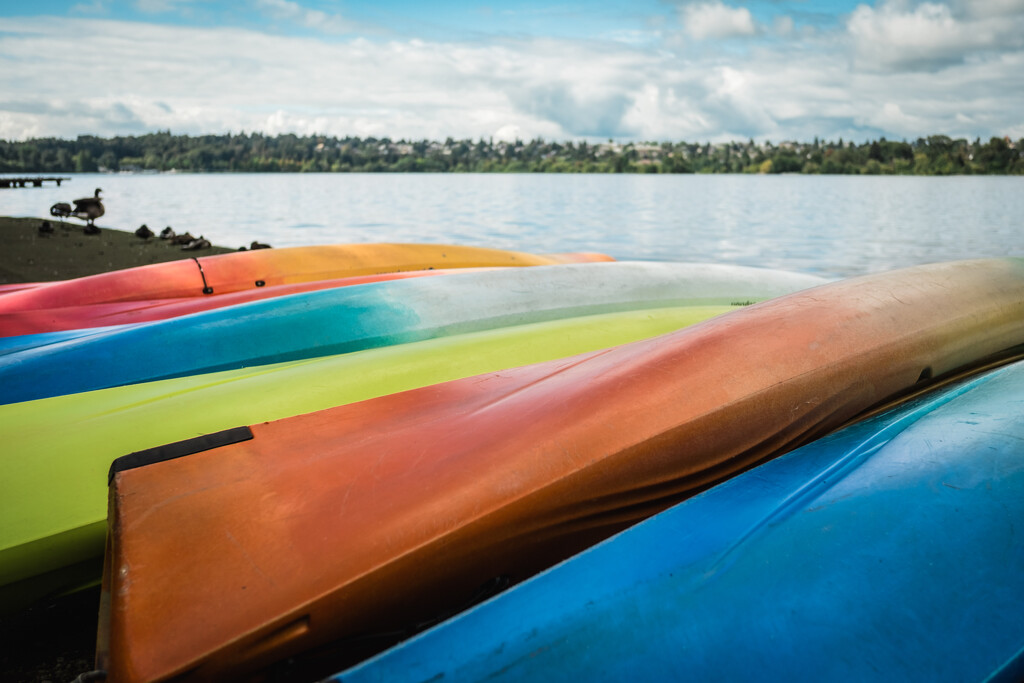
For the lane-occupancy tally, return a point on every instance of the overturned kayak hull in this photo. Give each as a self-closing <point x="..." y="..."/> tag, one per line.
<point x="349" y="319"/>
<point x="475" y="482"/>
<point x="885" y="552"/>
<point x="107" y="314"/>
<point x="214" y="275"/>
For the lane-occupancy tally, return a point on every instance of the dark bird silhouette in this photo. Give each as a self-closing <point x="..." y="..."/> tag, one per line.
<point x="61" y="210"/>
<point x="144" y="232"/>
<point x="259" y="245"/>
<point x="199" y="243"/>
<point x="87" y="209"/>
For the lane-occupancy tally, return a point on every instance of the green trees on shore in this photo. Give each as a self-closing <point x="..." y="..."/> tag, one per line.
<point x="934" y="155"/>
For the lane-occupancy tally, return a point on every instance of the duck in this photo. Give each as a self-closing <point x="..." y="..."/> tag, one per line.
<point x="61" y="210"/>
<point x="199" y="243"/>
<point x="144" y="232"/>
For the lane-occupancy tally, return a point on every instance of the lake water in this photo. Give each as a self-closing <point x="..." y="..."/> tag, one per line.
<point x="830" y="225"/>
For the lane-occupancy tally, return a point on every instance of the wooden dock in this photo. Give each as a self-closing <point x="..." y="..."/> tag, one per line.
<point x="34" y="181"/>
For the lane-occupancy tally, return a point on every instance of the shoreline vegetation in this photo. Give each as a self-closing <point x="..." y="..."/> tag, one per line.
<point x="255" y="152"/>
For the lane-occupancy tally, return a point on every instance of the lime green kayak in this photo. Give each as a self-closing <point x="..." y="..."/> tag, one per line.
<point x="57" y="450"/>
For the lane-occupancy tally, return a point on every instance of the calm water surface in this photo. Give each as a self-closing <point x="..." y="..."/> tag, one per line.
<point x="830" y="225"/>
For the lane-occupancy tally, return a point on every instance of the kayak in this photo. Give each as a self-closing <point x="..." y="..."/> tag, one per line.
<point x="24" y="330"/>
<point x="15" y="286"/>
<point x="215" y="275"/>
<point x="233" y="552"/>
<point x="887" y="551"/>
<point x="64" y="318"/>
<point x="54" y="542"/>
<point x="349" y="319"/>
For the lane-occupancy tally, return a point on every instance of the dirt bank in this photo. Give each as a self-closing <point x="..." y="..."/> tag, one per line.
<point x="29" y="255"/>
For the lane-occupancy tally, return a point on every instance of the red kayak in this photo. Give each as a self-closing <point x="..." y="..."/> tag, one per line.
<point x="14" y="287"/>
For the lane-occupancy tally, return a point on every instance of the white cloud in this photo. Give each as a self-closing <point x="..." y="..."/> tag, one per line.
<point x="508" y="133"/>
<point x="931" y="36"/>
<point x="892" y="117"/>
<point x="739" y="97"/>
<point x="659" y="109"/>
<point x="783" y="26"/>
<point x="989" y="8"/>
<point x="130" y="78"/>
<point x="717" y="20"/>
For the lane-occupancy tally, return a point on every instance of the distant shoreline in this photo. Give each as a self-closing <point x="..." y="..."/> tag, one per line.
<point x="255" y="153"/>
<point x="29" y="255"/>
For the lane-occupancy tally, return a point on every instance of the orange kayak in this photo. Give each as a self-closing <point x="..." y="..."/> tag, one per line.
<point x="320" y="539"/>
<point x="223" y="273"/>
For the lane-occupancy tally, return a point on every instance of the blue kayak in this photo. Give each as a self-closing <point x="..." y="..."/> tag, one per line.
<point x="358" y="317"/>
<point x="891" y="550"/>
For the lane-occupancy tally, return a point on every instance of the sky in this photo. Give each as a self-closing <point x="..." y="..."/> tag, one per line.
<point x="626" y="70"/>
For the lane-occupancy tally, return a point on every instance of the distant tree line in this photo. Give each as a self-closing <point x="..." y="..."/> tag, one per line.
<point x="255" y="152"/>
